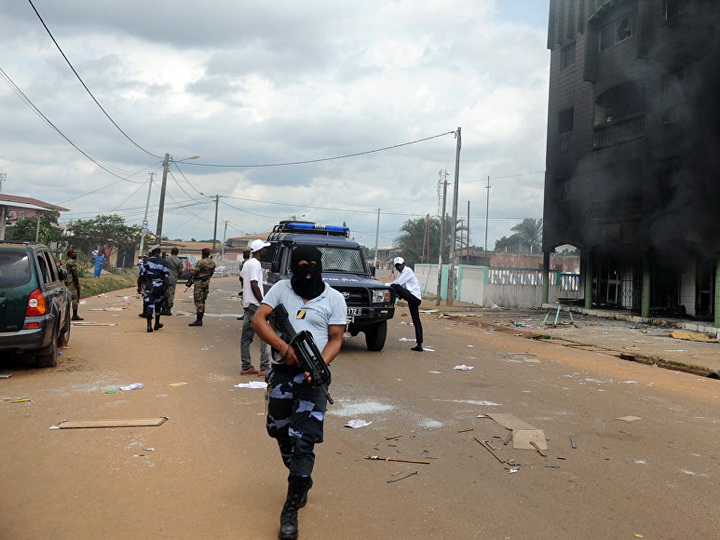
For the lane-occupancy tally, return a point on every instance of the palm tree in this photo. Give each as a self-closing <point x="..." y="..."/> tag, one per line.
<point x="529" y="232"/>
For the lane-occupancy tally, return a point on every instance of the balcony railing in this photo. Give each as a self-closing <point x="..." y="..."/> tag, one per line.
<point x="619" y="131"/>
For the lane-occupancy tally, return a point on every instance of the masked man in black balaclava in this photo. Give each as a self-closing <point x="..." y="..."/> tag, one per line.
<point x="306" y="279"/>
<point x="296" y="408"/>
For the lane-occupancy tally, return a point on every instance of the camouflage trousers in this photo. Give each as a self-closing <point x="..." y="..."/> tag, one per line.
<point x="75" y="296"/>
<point x="200" y="294"/>
<point x="295" y="414"/>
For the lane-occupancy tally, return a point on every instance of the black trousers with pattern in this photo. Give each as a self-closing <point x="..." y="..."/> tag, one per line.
<point x="295" y="415"/>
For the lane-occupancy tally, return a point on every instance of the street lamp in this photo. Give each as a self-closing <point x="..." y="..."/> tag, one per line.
<point x="161" y="207"/>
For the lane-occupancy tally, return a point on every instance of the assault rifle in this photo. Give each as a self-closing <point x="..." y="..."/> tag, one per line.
<point x="189" y="283"/>
<point x="306" y="350"/>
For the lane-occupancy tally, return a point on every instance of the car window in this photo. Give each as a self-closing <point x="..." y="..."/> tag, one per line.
<point x="14" y="269"/>
<point x="42" y="263"/>
<point x="51" y="266"/>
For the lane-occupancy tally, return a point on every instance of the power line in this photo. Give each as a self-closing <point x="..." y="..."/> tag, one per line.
<point x="37" y="111"/>
<point x="85" y="86"/>
<point x="306" y="162"/>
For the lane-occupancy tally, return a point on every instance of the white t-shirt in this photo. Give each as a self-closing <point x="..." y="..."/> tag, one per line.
<point x="251" y="271"/>
<point x="407" y="279"/>
<point x="314" y="315"/>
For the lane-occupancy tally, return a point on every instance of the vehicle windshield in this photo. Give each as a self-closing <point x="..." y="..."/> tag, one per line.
<point x="14" y="269"/>
<point x="342" y="260"/>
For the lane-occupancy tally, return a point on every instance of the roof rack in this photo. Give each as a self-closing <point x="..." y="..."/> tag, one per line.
<point x="309" y="227"/>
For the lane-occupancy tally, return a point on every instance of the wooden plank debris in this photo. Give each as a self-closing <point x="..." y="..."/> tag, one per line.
<point x="121" y="422"/>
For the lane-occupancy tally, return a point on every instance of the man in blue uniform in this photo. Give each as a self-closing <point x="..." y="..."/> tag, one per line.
<point x="151" y="283"/>
<point x="296" y="408"/>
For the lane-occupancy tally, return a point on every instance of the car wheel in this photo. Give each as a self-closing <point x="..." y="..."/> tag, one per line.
<point x="47" y="356"/>
<point x="375" y="336"/>
<point x="64" y="337"/>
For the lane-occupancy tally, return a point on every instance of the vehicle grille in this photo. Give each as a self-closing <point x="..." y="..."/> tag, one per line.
<point x="354" y="296"/>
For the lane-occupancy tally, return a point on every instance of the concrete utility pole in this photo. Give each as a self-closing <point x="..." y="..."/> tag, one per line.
<point x="377" y="235"/>
<point x="442" y="239"/>
<point x="145" y="221"/>
<point x="467" y="231"/>
<point x="161" y="207"/>
<point x="222" y="248"/>
<point x="453" y="225"/>
<point x="487" y="211"/>
<point x="217" y="201"/>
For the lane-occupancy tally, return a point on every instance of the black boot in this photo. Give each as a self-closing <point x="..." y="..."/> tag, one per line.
<point x="157" y="326"/>
<point x="303" y="499"/>
<point x="198" y="320"/>
<point x="297" y="489"/>
<point x="149" y="322"/>
<point x="76" y="317"/>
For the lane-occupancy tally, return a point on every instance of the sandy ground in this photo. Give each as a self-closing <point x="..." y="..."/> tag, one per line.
<point x="210" y="470"/>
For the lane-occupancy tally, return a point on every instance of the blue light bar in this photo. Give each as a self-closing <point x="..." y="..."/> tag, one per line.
<point x="315" y="226"/>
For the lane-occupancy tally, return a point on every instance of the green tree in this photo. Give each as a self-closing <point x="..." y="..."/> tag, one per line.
<point x="413" y="238"/>
<point x="109" y="231"/>
<point x="529" y="231"/>
<point x="527" y="237"/>
<point x="24" y="230"/>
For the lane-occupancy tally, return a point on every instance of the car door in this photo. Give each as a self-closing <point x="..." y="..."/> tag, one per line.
<point x="16" y="277"/>
<point x="55" y="291"/>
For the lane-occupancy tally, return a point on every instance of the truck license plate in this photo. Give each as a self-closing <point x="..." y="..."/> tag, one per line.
<point x="352" y="311"/>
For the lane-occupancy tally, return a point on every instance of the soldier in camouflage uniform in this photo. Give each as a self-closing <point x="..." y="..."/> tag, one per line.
<point x="72" y="282"/>
<point x="201" y="273"/>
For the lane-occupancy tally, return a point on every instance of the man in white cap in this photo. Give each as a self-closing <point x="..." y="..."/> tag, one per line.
<point x="406" y="287"/>
<point x="251" y="278"/>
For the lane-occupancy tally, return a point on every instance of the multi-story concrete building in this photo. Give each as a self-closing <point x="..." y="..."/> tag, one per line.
<point x="633" y="151"/>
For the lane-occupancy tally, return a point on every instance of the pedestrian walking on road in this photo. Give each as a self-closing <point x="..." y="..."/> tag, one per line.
<point x="151" y="283"/>
<point x="175" y="267"/>
<point x="251" y="278"/>
<point x="296" y="408"/>
<point x="406" y="286"/>
<point x="201" y="274"/>
<point x="72" y="282"/>
<point x="98" y="263"/>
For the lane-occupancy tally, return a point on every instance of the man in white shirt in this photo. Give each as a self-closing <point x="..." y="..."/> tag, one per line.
<point x="406" y="287"/>
<point x="251" y="277"/>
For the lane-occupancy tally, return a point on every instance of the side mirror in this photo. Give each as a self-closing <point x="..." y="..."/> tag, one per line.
<point x="62" y="273"/>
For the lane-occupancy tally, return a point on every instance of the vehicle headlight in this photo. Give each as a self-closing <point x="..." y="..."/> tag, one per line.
<point x="380" y="295"/>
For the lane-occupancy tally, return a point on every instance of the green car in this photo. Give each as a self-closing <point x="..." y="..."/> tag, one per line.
<point x="35" y="304"/>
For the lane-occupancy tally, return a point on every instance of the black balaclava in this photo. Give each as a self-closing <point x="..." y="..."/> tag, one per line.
<point x="304" y="287"/>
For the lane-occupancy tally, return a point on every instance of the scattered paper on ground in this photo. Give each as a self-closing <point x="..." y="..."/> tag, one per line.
<point x="127" y="422"/>
<point x="691" y="336"/>
<point x="629" y="418"/>
<point x="463" y="367"/>
<point x="254" y="384"/>
<point x="177" y="384"/>
<point x="357" y="424"/>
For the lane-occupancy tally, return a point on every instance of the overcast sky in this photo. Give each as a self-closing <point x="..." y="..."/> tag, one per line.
<point x="256" y="89"/>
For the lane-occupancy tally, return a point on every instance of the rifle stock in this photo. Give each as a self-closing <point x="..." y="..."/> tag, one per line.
<point x="306" y="350"/>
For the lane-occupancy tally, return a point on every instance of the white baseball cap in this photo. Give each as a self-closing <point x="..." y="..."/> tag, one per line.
<point x="398" y="260"/>
<point x="257" y="245"/>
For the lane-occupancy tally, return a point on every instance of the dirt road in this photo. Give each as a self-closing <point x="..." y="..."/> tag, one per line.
<point x="210" y="471"/>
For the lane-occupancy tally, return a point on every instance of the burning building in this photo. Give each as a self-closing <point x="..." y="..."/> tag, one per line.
<point x="633" y="152"/>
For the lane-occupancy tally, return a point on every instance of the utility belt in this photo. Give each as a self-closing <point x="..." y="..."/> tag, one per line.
<point x="202" y="280"/>
<point x="287" y="370"/>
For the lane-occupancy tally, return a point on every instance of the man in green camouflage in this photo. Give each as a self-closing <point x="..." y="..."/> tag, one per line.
<point x="175" y="266"/>
<point x="201" y="274"/>
<point x="72" y="282"/>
